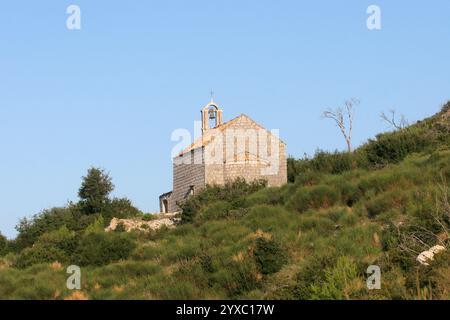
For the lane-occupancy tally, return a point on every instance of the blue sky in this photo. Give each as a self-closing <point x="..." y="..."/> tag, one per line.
<point x="111" y="94"/>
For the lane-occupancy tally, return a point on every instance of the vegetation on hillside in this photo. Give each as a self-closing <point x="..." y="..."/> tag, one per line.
<point x="313" y="238"/>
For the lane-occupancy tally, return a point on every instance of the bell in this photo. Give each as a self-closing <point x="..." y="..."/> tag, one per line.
<point x="212" y="114"/>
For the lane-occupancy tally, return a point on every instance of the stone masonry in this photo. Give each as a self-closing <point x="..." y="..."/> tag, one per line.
<point x="240" y="148"/>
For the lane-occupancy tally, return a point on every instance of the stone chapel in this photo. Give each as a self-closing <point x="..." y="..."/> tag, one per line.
<point x="239" y="148"/>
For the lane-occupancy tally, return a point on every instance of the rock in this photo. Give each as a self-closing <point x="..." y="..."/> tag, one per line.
<point x="168" y="220"/>
<point x="428" y="255"/>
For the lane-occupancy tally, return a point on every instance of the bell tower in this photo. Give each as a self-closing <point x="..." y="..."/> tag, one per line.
<point x="211" y="116"/>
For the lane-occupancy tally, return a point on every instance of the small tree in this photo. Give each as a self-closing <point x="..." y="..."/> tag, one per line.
<point x="398" y="124"/>
<point x="344" y="119"/>
<point x="95" y="189"/>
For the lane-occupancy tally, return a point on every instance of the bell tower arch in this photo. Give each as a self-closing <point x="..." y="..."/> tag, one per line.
<point x="211" y="116"/>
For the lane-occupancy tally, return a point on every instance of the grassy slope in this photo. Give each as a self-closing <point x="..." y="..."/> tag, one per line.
<point x="330" y="228"/>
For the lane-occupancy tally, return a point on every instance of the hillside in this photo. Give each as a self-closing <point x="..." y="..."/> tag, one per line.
<point x="314" y="238"/>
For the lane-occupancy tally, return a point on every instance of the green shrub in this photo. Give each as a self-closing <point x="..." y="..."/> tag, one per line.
<point x="334" y="214"/>
<point x="147" y="251"/>
<point x="334" y="163"/>
<point x="319" y="223"/>
<point x="277" y="220"/>
<point x="385" y="202"/>
<point x="312" y="272"/>
<point x="237" y="277"/>
<point x="120" y="209"/>
<point x="102" y="248"/>
<point x="216" y="210"/>
<point x="308" y="178"/>
<point x="323" y="162"/>
<point x="38" y="282"/>
<point x="340" y="282"/>
<point x="3" y="244"/>
<point x="97" y="226"/>
<point x="358" y="242"/>
<point x="49" y="220"/>
<point x="316" y="197"/>
<point x="53" y="246"/>
<point x="350" y="193"/>
<point x="206" y="262"/>
<point x="148" y="217"/>
<point x="39" y="254"/>
<point x="269" y="255"/>
<point x="377" y="182"/>
<point x="63" y="239"/>
<point x="232" y="192"/>
<point x="394" y="147"/>
<point x="271" y="196"/>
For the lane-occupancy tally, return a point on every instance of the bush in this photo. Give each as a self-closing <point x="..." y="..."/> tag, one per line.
<point x="271" y="196"/>
<point x="316" y="197"/>
<point x="308" y="178"/>
<point x="39" y="253"/>
<point x="394" y="147"/>
<point x="52" y="246"/>
<point x="119" y="208"/>
<point x="350" y="193"/>
<point x="237" y="277"/>
<point x="148" y="217"/>
<point x="340" y="282"/>
<point x="320" y="224"/>
<point x="323" y="162"/>
<point x="334" y="163"/>
<point x="233" y="193"/>
<point x="62" y="239"/>
<point x="283" y="224"/>
<point x="385" y="202"/>
<point x="102" y="248"/>
<point x="3" y="244"/>
<point x="269" y="255"/>
<point x="97" y="226"/>
<point x="311" y="272"/>
<point x="49" y="220"/>
<point x="216" y="210"/>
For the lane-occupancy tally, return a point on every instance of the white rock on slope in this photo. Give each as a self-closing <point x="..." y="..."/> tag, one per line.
<point x="141" y="225"/>
<point x="428" y="255"/>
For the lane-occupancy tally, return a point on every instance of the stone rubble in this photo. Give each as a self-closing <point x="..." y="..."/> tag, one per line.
<point x="160" y="220"/>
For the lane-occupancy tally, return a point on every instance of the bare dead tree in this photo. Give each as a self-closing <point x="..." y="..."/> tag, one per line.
<point x="400" y="124"/>
<point x="343" y="117"/>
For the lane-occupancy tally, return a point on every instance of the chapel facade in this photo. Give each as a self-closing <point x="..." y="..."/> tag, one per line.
<point x="239" y="148"/>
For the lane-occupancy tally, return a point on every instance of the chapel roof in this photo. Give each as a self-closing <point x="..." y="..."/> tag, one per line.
<point x="208" y="135"/>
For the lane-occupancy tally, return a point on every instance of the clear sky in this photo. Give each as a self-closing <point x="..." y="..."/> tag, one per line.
<point x="111" y="94"/>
